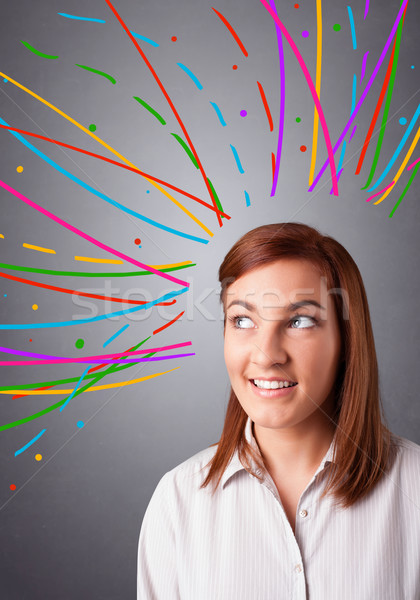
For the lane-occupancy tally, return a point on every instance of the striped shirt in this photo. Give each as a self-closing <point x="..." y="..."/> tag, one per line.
<point x="239" y="545"/>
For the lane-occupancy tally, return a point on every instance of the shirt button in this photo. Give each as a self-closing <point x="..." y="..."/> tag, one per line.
<point x="298" y="568"/>
<point x="303" y="513"/>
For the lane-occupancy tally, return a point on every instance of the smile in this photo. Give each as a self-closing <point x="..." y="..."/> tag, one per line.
<point x="272" y="385"/>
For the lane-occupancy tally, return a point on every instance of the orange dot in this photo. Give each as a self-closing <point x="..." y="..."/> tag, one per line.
<point x="35" y="306"/>
<point x="19" y="169"/>
<point x="303" y="148"/>
<point x="12" y="487"/>
<point x="296" y="5"/>
<point x="174" y="38"/>
<point x="38" y="457"/>
<point x="235" y="67"/>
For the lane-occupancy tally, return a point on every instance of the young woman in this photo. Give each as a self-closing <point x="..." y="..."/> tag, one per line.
<point x="307" y="494"/>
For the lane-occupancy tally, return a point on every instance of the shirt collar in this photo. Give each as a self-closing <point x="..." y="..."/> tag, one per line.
<point x="235" y="464"/>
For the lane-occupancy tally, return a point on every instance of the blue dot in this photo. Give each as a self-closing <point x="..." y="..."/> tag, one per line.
<point x="80" y="424"/>
<point x="147" y="191"/>
<point x="6" y="80"/>
<point x="403" y="121"/>
<point x="412" y="66"/>
<point x="5" y="295"/>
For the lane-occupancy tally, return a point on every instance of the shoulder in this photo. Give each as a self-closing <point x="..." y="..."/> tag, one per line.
<point x="407" y="452"/>
<point x="405" y="467"/>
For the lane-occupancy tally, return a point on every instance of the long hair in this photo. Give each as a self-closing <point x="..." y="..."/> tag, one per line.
<point x="362" y="442"/>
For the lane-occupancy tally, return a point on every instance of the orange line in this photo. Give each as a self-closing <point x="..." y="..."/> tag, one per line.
<point x="267" y="108"/>
<point x="178" y="118"/>
<point x="170" y="323"/>
<point x="232" y="31"/>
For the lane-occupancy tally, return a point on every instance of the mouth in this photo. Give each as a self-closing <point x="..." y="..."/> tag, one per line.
<point x="272" y="384"/>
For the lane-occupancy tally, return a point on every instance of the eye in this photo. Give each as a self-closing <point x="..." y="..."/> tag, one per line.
<point x="307" y="322"/>
<point x="236" y="320"/>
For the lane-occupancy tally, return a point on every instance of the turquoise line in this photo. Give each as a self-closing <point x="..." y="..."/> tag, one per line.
<point x="248" y="202"/>
<point x="81" y="18"/>
<point x="353" y="31"/>
<point x="119" y="332"/>
<point x="218" y="113"/>
<point x="145" y="39"/>
<point x="92" y="319"/>
<point x="99" y="194"/>
<point x="353" y="94"/>
<point x="340" y="162"/>
<point x="238" y="162"/>
<point x="75" y="388"/>
<point x="30" y="443"/>
<point x="190" y="74"/>
<point x="398" y="150"/>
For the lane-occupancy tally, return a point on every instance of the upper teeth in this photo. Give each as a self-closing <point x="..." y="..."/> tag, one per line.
<point x="273" y="385"/>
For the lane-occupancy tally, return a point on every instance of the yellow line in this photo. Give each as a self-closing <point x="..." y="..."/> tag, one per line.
<point x="401" y="169"/>
<point x="98" y="139"/>
<point x="317" y="87"/>
<point x="92" y="389"/>
<point x="180" y="264"/>
<point x="108" y="261"/>
<point x="39" y="248"/>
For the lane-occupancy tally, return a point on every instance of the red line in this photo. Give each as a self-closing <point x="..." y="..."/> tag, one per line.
<point x="85" y="294"/>
<point x="232" y="31"/>
<point x="267" y="108"/>
<point x="170" y="323"/>
<point x="178" y="118"/>
<point x="114" y="162"/>
<point x="273" y="163"/>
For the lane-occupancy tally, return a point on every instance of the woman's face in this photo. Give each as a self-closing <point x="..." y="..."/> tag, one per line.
<point x="266" y="338"/>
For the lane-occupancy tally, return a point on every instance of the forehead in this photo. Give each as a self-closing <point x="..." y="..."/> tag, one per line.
<point x="289" y="280"/>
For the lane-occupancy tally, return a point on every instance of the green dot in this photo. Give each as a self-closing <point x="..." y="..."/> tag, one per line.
<point x="92" y="127"/>
<point x="80" y="343"/>
<point x="298" y="119"/>
<point x="337" y="27"/>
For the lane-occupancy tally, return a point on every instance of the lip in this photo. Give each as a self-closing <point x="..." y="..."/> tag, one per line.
<point x="273" y="379"/>
<point x="279" y="393"/>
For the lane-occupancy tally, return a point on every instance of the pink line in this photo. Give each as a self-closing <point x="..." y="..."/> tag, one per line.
<point x="412" y="164"/>
<point x="362" y="74"/>
<point x="313" y="92"/>
<point x="108" y="361"/>
<point x="88" y="237"/>
<point x="338" y="178"/>
<point x="353" y="132"/>
<point x="384" y="190"/>
<point x="366" y="9"/>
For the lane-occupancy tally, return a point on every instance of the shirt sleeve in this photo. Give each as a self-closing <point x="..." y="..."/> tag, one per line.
<point x="156" y="565"/>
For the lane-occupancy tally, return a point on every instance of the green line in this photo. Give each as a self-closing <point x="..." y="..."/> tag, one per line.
<point x="187" y="150"/>
<point x="151" y="110"/>
<point x="111" y="79"/>
<point x="110" y="369"/>
<point x="216" y="197"/>
<point x="84" y="274"/>
<point x="410" y="181"/>
<point x="387" y="105"/>
<point x="37" y="52"/>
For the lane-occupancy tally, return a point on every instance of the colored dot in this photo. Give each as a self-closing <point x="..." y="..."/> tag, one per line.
<point x="12" y="487"/>
<point x="147" y="191"/>
<point x="80" y="424"/>
<point x="5" y="295"/>
<point x="137" y="241"/>
<point x="92" y="127"/>
<point x="243" y="113"/>
<point x="337" y="27"/>
<point x="305" y="33"/>
<point x="303" y="148"/>
<point x="38" y="457"/>
<point x="403" y="121"/>
<point x="296" y="5"/>
<point x="412" y="66"/>
<point x="5" y="80"/>
<point x="79" y="343"/>
<point x="19" y="169"/>
<point x="35" y="306"/>
<point x="174" y="38"/>
<point x="30" y="340"/>
<point x="235" y="67"/>
<point x="298" y="119"/>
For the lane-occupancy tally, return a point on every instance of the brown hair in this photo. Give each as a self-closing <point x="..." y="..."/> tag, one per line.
<point x="362" y="448"/>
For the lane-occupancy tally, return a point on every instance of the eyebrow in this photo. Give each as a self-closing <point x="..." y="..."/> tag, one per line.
<point x="292" y="307"/>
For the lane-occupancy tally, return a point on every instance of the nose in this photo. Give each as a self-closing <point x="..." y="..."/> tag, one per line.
<point x="269" y="349"/>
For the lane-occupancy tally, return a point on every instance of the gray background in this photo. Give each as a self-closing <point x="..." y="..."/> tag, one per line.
<point x="70" y="529"/>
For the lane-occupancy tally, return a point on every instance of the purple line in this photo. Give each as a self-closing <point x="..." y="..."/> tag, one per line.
<point x="364" y="93"/>
<point x="366" y="9"/>
<point x="107" y="361"/>
<point x="338" y="179"/>
<point x="362" y="74"/>
<point x="282" y="103"/>
<point x="353" y="132"/>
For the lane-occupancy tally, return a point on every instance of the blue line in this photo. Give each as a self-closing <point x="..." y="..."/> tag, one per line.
<point x="93" y="319"/>
<point x="248" y="202"/>
<point x="99" y="194"/>
<point x="218" y="113"/>
<point x="190" y="74"/>
<point x="81" y="18"/>
<point x="30" y="443"/>
<point x="340" y="162"/>
<point x="353" y="31"/>
<point x="353" y="94"/>
<point x="398" y="150"/>
<point x="119" y="332"/>
<point x="76" y="387"/>
<point x="238" y="162"/>
<point x="145" y="39"/>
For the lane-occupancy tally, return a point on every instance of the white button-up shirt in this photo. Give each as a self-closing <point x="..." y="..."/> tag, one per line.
<point x="239" y="545"/>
